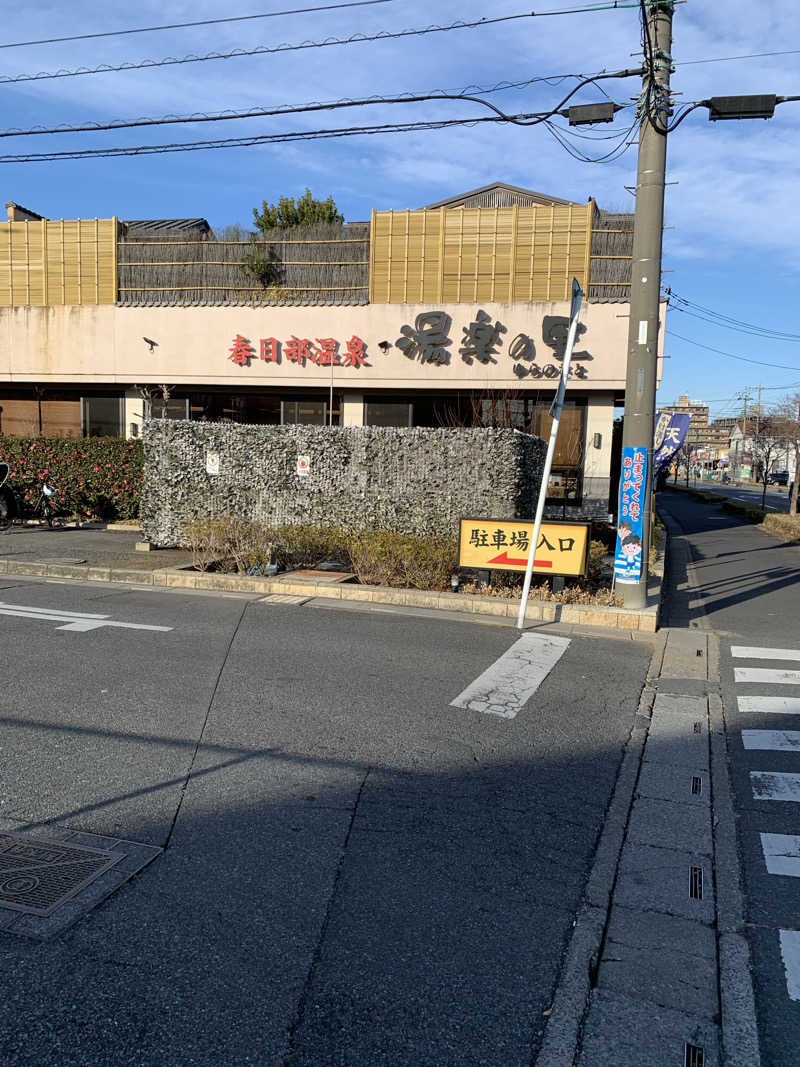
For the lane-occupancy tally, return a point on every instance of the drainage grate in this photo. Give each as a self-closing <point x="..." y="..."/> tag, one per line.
<point x="694" y="1057"/>
<point x="697" y="785"/>
<point x="698" y="727"/>
<point x="696" y="883"/>
<point x="37" y="876"/>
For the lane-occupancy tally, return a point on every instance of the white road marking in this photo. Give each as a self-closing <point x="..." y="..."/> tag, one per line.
<point x="775" y="785"/>
<point x="790" y="951"/>
<point x="77" y="621"/>
<point x="772" y="740"/>
<point x="750" y="652"/>
<point x="512" y="680"/>
<point x="767" y="675"/>
<point x="781" y="854"/>
<point x="769" y="705"/>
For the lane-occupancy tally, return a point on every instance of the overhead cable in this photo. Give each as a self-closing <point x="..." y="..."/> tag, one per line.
<point x="716" y="318"/>
<point x="237" y="53"/>
<point x="730" y="355"/>
<point x="276" y="14"/>
<point x="247" y="142"/>
<point x="288" y="109"/>
<point x="198" y="22"/>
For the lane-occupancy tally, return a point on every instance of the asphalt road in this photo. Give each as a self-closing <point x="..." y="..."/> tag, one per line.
<point x="747" y="590"/>
<point x="355" y="871"/>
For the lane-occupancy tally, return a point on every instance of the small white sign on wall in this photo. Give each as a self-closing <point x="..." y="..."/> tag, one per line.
<point x="212" y="462"/>
<point x="303" y="465"/>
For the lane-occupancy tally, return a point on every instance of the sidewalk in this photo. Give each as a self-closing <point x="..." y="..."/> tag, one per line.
<point x="110" y="555"/>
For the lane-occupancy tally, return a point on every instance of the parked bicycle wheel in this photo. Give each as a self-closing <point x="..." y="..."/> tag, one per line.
<point x="47" y="512"/>
<point x="6" y="509"/>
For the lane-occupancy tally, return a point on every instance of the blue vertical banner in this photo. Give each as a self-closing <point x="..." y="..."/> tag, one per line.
<point x="630" y="548"/>
<point x="670" y="433"/>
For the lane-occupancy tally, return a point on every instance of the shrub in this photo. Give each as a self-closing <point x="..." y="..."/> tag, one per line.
<point x="380" y="558"/>
<point x="787" y="527"/>
<point x="95" y="477"/>
<point x="305" y="546"/>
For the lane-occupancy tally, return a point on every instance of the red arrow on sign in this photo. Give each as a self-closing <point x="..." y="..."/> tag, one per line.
<point x="503" y="558"/>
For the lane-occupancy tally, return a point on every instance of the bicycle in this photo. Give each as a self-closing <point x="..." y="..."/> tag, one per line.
<point x="13" y="507"/>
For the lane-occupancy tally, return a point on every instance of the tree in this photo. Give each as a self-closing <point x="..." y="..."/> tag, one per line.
<point x="769" y="442"/>
<point x="288" y="212"/>
<point x="788" y="411"/>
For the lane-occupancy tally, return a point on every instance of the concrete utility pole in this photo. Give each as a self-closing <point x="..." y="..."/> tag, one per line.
<point x="648" y="225"/>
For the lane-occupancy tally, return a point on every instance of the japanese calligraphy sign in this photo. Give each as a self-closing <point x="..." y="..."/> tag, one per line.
<point x="429" y="339"/>
<point x="671" y="430"/>
<point x="504" y="545"/>
<point x="319" y="351"/>
<point x="633" y="480"/>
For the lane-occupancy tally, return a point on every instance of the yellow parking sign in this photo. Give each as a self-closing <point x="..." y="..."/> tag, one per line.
<point x="504" y="545"/>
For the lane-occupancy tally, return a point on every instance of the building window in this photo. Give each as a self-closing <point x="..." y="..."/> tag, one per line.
<point x="566" y="476"/>
<point x="304" y="412"/>
<point x="388" y="413"/>
<point x="102" y="416"/>
<point x="169" y="409"/>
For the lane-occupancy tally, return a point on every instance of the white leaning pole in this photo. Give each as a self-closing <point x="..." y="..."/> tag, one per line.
<point x="555" y="411"/>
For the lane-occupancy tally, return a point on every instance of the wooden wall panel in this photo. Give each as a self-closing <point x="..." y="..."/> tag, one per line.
<point x="480" y="254"/>
<point x="58" y="261"/>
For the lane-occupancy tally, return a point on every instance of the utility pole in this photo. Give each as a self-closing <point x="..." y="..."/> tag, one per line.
<point x="648" y="226"/>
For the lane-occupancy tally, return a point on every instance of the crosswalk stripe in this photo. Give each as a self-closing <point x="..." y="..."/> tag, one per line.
<point x="512" y="679"/>
<point x="781" y="854"/>
<point x="768" y="675"/>
<point x="775" y="785"/>
<point x="772" y="740"/>
<point x="751" y="652"/>
<point x="769" y="705"/>
<point x="790" y="951"/>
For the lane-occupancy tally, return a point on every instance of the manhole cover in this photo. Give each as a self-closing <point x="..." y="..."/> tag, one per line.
<point x="36" y="877"/>
<point x="50" y="877"/>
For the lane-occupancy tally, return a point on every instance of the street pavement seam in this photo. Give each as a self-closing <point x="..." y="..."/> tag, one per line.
<point x="190" y="770"/>
<point x="300" y="1011"/>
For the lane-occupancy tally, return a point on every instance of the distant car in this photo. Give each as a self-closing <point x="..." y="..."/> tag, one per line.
<point x="778" y="478"/>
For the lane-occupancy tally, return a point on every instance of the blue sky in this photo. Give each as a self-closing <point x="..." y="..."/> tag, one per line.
<point x="734" y="239"/>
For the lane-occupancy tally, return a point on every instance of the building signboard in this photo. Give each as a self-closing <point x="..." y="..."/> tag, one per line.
<point x="386" y="346"/>
<point x="504" y="545"/>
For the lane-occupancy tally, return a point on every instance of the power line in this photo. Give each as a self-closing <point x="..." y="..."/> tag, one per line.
<point x="730" y="59"/>
<point x="356" y="38"/>
<point x="199" y="22"/>
<point x="247" y="142"/>
<point x="524" y="119"/>
<point x="716" y="318"/>
<point x="730" y="355"/>
<point x="286" y="109"/>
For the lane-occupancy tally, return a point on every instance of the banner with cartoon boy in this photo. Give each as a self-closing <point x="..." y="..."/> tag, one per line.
<point x="628" y="556"/>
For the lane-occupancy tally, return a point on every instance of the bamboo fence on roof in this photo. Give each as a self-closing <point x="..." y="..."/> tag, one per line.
<point x="517" y="253"/>
<point x="324" y="263"/>
<point x="58" y="261"/>
<point x="611" y="256"/>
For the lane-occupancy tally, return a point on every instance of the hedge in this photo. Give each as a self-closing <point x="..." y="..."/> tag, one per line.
<point x="95" y="477"/>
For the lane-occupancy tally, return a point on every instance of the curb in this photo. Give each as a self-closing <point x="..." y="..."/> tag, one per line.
<point x="737" y="1000"/>
<point x="613" y="618"/>
<point x="571" y="999"/>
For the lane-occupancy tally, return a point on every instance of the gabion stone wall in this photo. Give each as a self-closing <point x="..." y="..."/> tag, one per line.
<point x="359" y="478"/>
